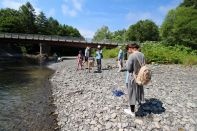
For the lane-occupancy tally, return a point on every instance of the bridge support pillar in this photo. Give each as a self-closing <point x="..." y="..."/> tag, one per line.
<point x="40" y="49"/>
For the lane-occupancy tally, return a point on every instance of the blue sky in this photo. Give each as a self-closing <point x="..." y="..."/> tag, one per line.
<point x="89" y="15"/>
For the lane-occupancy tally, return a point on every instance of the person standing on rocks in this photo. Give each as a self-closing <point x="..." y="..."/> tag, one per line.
<point x="133" y="65"/>
<point x="87" y="55"/>
<point x="120" y="59"/>
<point x="79" y="60"/>
<point x="99" y="56"/>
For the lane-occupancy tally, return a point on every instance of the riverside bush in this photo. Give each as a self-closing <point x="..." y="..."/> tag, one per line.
<point x="158" y="52"/>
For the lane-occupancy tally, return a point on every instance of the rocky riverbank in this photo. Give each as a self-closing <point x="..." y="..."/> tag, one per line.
<point x="85" y="100"/>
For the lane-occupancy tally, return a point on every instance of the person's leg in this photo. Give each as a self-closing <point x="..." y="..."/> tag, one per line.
<point x="97" y="61"/>
<point x="132" y="108"/>
<point x="78" y="65"/>
<point x="100" y="64"/>
<point x="119" y="66"/>
<point x="127" y="85"/>
<point x="132" y="98"/>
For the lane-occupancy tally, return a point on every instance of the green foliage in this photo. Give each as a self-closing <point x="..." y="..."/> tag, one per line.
<point x="28" y="17"/>
<point x="145" y="30"/>
<point x="102" y="34"/>
<point x="110" y="53"/>
<point x="41" y="23"/>
<point x="10" y="21"/>
<point x="65" y="30"/>
<point x="118" y="36"/>
<point x="180" y="27"/>
<point x="189" y="3"/>
<point x="158" y="52"/>
<point x="53" y="26"/>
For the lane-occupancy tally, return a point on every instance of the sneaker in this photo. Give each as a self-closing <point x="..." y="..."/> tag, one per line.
<point x="128" y="111"/>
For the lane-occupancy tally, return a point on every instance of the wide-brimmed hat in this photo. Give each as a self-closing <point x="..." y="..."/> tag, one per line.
<point x="98" y="46"/>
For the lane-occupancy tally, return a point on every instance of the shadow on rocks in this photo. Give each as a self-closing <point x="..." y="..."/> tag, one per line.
<point x="152" y="105"/>
<point x="97" y="71"/>
<point x="106" y="69"/>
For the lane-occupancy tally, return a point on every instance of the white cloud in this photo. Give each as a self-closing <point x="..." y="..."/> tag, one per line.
<point x="86" y="33"/>
<point x="72" y="7"/>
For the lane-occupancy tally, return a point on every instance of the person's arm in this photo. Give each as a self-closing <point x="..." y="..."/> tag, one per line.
<point x="119" y="55"/>
<point x="129" y="64"/>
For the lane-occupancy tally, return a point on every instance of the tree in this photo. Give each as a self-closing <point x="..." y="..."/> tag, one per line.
<point x="119" y="36"/>
<point x="102" y="34"/>
<point x="52" y="26"/>
<point x="10" y="21"/>
<point x="41" y="24"/>
<point x="180" y="27"/>
<point x="145" y="30"/>
<point x="189" y="3"/>
<point x="28" y="18"/>
<point x="66" y="30"/>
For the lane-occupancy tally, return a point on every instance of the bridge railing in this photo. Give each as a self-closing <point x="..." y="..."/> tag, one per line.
<point x="40" y="37"/>
<point x="59" y="38"/>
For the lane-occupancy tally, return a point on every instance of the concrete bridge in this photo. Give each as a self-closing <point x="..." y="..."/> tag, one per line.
<point x="51" y="40"/>
<point x="45" y="41"/>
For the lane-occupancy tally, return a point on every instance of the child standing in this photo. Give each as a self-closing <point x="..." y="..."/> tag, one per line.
<point x="79" y="60"/>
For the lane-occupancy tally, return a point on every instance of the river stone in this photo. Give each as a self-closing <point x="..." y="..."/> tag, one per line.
<point x="138" y="121"/>
<point x="166" y="128"/>
<point x="156" y="119"/>
<point x="108" y="125"/>
<point x="113" y="116"/>
<point x="192" y="105"/>
<point x="96" y="129"/>
<point x="93" y="122"/>
<point x="106" y="118"/>
<point x="124" y="125"/>
<point x="156" y="125"/>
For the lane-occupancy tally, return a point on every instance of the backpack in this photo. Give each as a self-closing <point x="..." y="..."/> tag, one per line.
<point x="144" y="75"/>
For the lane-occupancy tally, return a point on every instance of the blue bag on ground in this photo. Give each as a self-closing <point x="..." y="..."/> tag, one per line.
<point x="117" y="93"/>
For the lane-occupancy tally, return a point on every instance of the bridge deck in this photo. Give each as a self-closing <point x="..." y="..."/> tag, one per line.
<point x="52" y="40"/>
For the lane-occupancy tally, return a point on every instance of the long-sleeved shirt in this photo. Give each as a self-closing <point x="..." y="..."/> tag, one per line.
<point x="120" y="55"/>
<point x="133" y="65"/>
<point x="87" y="52"/>
<point x="98" y="54"/>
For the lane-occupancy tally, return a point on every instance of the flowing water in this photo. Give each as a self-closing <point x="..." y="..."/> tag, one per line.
<point x="25" y="96"/>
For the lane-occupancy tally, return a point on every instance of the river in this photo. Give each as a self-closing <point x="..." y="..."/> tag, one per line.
<point x="25" y="96"/>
